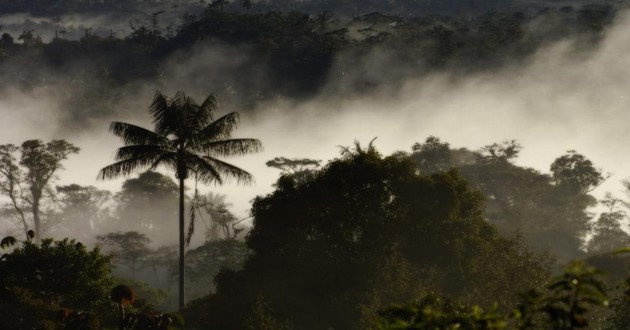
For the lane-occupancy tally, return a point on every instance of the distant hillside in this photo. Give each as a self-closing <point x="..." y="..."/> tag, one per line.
<point x="47" y="8"/>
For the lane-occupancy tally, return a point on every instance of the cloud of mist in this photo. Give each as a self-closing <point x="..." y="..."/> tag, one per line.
<point x="27" y="115"/>
<point x="560" y="99"/>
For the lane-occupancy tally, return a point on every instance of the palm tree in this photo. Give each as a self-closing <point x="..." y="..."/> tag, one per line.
<point x="186" y="139"/>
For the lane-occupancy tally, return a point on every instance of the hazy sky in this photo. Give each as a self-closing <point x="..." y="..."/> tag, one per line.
<point x="559" y="100"/>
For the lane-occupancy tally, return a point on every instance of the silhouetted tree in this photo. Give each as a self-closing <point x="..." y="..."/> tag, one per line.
<point x="576" y="173"/>
<point x="187" y="140"/>
<point x="299" y="169"/>
<point x="26" y="182"/>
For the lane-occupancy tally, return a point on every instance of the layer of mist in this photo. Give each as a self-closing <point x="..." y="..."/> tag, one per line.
<point x="558" y="99"/>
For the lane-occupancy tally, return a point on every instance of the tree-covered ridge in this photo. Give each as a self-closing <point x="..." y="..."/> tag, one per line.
<point x="342" y="7"/>
<point x="292" y="55"/>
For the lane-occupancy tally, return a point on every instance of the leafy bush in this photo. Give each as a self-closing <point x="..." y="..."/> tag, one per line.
<point x="43" y="283"/>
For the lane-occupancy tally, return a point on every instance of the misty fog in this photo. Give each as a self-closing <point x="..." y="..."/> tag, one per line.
<point x="559" y="99"/>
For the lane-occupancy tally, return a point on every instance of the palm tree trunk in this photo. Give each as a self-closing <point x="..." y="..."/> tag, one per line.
<point x="181" y="242"/>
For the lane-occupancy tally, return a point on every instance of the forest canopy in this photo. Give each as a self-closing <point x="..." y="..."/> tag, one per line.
<point x="364" y="232"/>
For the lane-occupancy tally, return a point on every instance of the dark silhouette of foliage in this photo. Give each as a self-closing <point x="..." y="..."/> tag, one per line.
<point x="293" y="165"/>
<point x="504" y="152"/>
<point x="39" y="279"/>
<point x="363" y="232"/>
<point x="575" y="172"/>
<point x="569" y="301"/>
<point x="433" y="155"/>
<point x="299" y="169"/>
<point x="432" y="312"/>
<point x="123" y="295"/>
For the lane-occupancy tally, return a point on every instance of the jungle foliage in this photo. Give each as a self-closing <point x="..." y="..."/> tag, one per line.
<point x="364" y="232"/>
<point x="38" y="280"/>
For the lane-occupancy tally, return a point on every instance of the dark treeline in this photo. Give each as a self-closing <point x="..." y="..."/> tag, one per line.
<point x="343" y="7"/>
<point x="446" y="228"/>
<point x="431" y="237"/>
<point x="288" y="55"/>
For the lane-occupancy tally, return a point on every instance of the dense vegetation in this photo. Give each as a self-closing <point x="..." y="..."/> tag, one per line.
<point x="39" y="281"/>
<point x="330" y="251"/>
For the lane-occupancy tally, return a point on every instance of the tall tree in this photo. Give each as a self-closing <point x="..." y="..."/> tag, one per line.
<point x="187" y="140"/>
<point x="26" y="182"/>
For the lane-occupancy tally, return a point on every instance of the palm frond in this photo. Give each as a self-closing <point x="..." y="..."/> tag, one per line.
<point x="209" y="105"/>
<point x="180" y="99"/>
<point x="219" y="129"/>
<point x="228" y="171"/>
<point x="231" y="147"/>
<point x="199" y="116"/>
<point x="124" y="167"/>
<point x="195" y="116"/>
<point x="163" y="113"/>
<point x="142" y="151"/>
<point x="203" y="170"/>
<point x="182" y="107"/>
<point x="132" y="134"/>
<point x="169" y="159"/>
